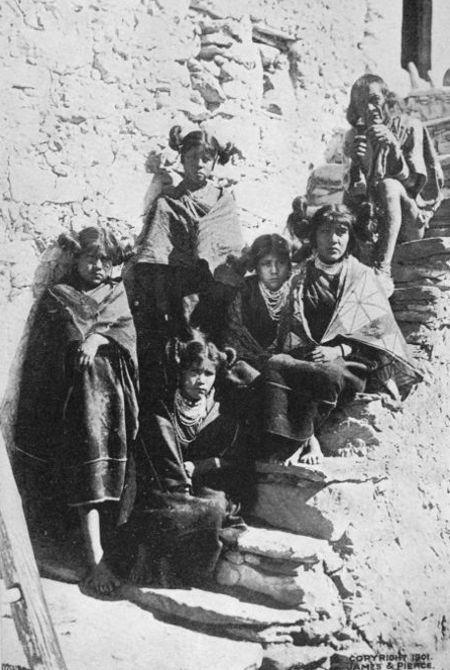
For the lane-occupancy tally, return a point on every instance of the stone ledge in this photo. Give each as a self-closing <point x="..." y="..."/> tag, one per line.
<point x="318" y="502"/>
<point x="308" y="589"/>
<point x="409" y="252"/>
<point x="281" y="546"/>
<point x="200" y="607"/>
<point x="354" y="428"/>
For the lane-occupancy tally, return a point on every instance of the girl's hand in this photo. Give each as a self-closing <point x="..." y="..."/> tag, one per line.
<point x="88" y="349"/>
<point x="359" y="147"/>
<point x="381" y="135"/>
<point x="325" y="354"/>
<point x="189" y="467"/>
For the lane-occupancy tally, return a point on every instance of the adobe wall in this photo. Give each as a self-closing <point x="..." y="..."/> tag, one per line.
<point x="91" y="90"/>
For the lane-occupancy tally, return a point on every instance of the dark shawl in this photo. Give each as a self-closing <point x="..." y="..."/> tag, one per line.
<point x="181" y="228"/>
<point x="80" y="422"/>
<point x="249" y="328"/>
<point x="362" y="316"/>
<point x="181" y="531"/>
<point x="218" y="434"/>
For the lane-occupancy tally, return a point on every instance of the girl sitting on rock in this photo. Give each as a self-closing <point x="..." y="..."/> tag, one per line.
<point x="337" y="336"/>
<point x="78" y="408"/>
<point x="254" y="315"/>
<point x="186" y="444"/>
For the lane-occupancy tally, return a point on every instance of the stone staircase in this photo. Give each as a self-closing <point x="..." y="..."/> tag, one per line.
<point x="281" y="583"/>
<point x="420" y="269"/>
<point x="433" y="108"/>
<point x="307" y="580"/>
<point x="294" y="581"/>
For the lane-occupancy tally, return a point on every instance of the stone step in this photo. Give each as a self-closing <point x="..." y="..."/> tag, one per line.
<point x="411" y="252"/>
<point x="445" y="163"/>
<point x="317" y="501"/>
<point x="423" y="262"/>
<point x="439" y="130"/>
<point x="429" y="104"/>
<point x="270" y="585"/>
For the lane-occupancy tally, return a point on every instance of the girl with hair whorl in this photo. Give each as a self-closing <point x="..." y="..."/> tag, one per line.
<point x="78" y="413"/>
<point x="187" y="235"/>
<point x="254" y="315"/>
<point x="186" y="452"/>
<point x="338" y="337"/>
<point x="394" y="181"/>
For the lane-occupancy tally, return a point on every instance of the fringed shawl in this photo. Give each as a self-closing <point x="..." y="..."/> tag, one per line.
<point x="181" y="229"/>
<point x="64" y="317"/>
<point x="362" y="315"/>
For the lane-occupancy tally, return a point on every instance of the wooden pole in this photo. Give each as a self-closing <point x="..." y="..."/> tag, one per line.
<point x="20" y="574"/>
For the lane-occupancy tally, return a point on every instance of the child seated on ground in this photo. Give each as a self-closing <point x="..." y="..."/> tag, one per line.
<point x="185" y="457"/>
<point x="254" y="315"/>
<point x="78" y="402"/>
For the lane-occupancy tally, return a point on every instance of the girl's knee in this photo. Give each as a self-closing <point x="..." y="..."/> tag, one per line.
<point x="388" y="188"/>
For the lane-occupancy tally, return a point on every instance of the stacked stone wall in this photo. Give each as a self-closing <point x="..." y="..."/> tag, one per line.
<point x="91" y="89"/>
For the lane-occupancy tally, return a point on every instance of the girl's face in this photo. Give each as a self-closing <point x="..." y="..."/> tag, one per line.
<point x="370" y="103"/>
<point x="332" y="240"/>
<point x="93" y="267"/>
<point x="273" y="271"/>
<point x="198" y="380"/>
<point x="198" y="163"/>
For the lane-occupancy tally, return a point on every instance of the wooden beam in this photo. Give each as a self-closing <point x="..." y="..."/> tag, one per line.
<point x="20" y="574"/>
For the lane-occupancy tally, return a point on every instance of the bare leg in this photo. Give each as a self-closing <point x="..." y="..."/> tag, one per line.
<point x="140" y="573"/>
<point x="99" y="576"/>
<point x="312" y="453"/>
<point x="399" y="220"/>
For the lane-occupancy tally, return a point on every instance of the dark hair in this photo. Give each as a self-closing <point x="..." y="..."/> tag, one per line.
<point x="195" y="351"/>
<point x="333" y="214"/>
<point x="95" y="239"/>
<point x="268" y="244"/>
<point x="178" y="141"/>
<point x="360" y="87"/>
<point x="298" y="222"/>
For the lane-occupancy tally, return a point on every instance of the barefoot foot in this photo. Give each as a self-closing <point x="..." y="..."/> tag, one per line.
<point x="295" y="458"/>
<point x="101" y="580"/>
<point x="312" y="453"/>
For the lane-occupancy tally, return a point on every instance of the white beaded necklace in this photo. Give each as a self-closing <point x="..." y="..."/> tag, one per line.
<point x="274" y="300"/>
<point x="188" y="416"/>
<point x="329" y="269"/>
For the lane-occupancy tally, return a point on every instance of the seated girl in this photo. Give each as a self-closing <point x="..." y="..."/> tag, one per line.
<point x="187" y="444"/>
<point x="78" y="402"/>
<point x="187" y="235"/>
<point x="338" y="337"/>
<point x="254" y="315"/>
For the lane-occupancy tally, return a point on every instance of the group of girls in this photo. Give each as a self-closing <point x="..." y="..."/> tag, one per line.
<point x="241" y="356"/>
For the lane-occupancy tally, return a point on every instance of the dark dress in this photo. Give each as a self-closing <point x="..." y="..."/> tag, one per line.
<point x="250" y="330"/>
<point x="168" y="448"/>
<point x="350" y="308"/>
<point x="186" y="237"/>
<point x="178" y="518"/>
<point x="80" y="424"/>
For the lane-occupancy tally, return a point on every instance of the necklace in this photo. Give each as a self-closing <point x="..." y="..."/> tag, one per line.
<point x="274" y="300"/>
<point x="189" y="416"/>
<point x="329" y="269"/>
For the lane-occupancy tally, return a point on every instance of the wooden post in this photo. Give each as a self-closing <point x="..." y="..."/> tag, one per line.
<point x="19" y="571"/>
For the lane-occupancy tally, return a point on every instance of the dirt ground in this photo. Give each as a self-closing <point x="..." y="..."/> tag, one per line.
<point x="97" y="635"/>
